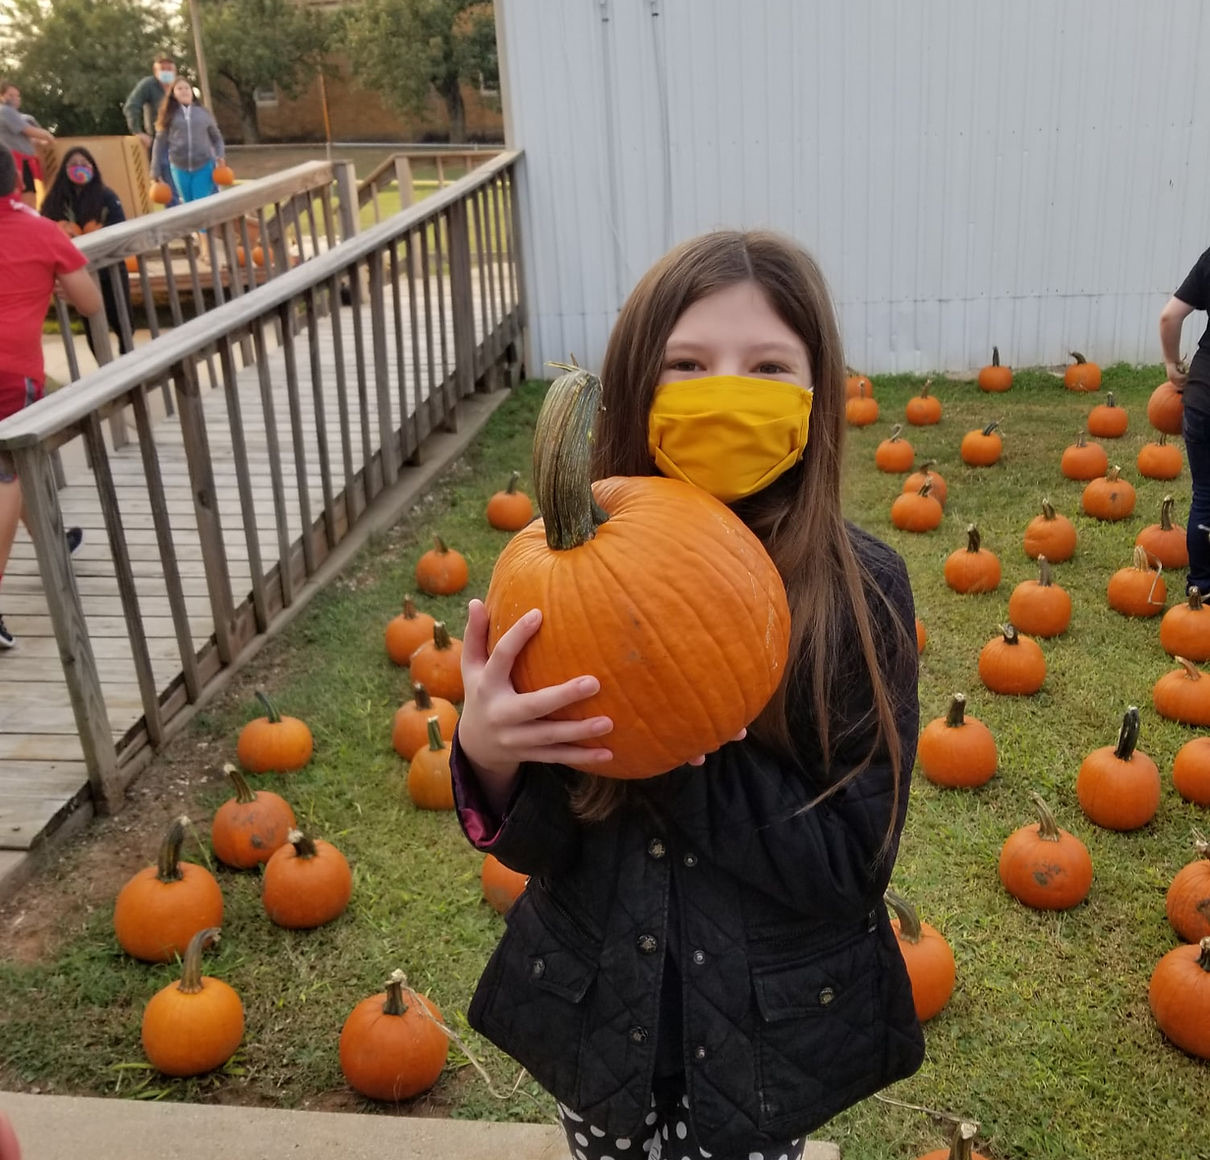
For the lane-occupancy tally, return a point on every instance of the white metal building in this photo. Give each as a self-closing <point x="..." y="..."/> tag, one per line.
<point x="1031" y="173"/>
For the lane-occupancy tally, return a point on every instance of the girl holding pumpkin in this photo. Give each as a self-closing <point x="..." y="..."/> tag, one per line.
<point x="703" y="956"/>
<point x="187" y="133"/>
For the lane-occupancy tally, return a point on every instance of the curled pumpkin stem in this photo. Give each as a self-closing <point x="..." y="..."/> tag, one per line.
<point x="168" y="866"/>
<point x="1048" y="828"/>
<point x="1128" y="735"/>
<point x="910" y="929"/>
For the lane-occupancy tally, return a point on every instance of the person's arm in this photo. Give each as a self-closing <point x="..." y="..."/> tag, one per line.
<point x="158" y="148"/>
<point x="114" y="212"/>
<point x="216" y="137"/>
<point x="1172" y="318"/>
<point x="37" y="133"/>
<point x="81" y="291"/>
<point x="133" y="112"/>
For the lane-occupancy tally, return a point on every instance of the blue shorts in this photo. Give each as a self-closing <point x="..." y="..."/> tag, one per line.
<point x="194" y="183"/>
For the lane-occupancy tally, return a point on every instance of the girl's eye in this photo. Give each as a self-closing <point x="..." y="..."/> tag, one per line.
<point x="683" y="364"/>
<point x="770" y="369"/>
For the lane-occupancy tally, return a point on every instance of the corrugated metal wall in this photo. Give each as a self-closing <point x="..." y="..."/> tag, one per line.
<point x="1033" y="173"/>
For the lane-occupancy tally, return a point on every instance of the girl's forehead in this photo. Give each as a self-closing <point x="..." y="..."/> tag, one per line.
<point x="739" y="309"/>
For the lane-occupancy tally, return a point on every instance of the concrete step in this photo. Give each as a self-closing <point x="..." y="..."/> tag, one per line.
<point x="66" y="1127"/>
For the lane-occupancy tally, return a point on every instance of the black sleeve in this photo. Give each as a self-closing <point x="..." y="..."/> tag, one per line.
<point x="114" y="212"/>
<point x="1195" y="289"/>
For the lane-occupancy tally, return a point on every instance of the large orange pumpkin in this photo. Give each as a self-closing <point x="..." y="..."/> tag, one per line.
<point x="859" y="411"/>
<point x="957" y="750"/>
<point x="1191" y="771"/>
<point x="1166" y="409"/>
<point x="1185" y="629"/>
<point x="1083" y="460"/>
<point x="407" y="632"/>
<point x="410" y="728"/>
<point x="689" y="649"/>
<point x="916" y="511"/>
<point x="247" y="828"/>
<point x="501" y="885"/>
<point x="927" y="473"/>
<point x="1183" y="694"/>
<point x="1051" y="535"/>
<point x="894" y="454"/>
<point x="973" y="568"/>
<point x="1040" y="607"/>
<point x="1044" y="866"/>
<point x="1108" y="498"/>
<point x="982" y="447"/>
<point x="1118" y="786"/>
<point x="437" y="664"/>
<point x="1159" y="459"/>
<point x="1164" y="542"/>
<point x="1187" y="902"/>
<point x="430" y="783"/>
<point x="924" y="409"/>
<point x="1180" y="997"/>
<point x="995" y="377"/>
<point x="1138" y="589"/>
<point x="1082" y="375"/>
<point x="307" y="882"/>
<point x="274" y="743"/>
<point x="1107" y="420"/>
<point x="927" y="956"/>
<point x="1012" y="664"/>
<point x="510" y="510"/>
<point x="855" y="385"/>
<point x="441" y="571"/>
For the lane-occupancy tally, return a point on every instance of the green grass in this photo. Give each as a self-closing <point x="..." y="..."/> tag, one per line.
<point x="1048" y="1040"/>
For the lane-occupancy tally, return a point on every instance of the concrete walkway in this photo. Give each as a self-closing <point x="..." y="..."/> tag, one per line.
<point x="67" y="1127"/>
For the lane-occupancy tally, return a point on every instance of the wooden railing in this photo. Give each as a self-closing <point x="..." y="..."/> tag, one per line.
<point x="389" y="330"/>
<point x="396" y="172"/>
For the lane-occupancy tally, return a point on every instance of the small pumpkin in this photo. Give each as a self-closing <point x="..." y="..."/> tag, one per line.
<point x="927" y="956"/>
<point x="856" y="385"/>
<point x="1012" y="664"/>
<point x="1183" y="694"/>
<point x="1138" y="589"/>
<point x="994" y="377"/>
<point x="407" y="632"/>
<point x="1191" y="771"/>
<point x="162" y="907"/>
<point x="1166" y="409"/>
<point x="1040" y="607"/>
<point x="1118" y="786"/>
<point x="1109" y="497"/>
<point x="161" y="192"/>
<point x="1187" y="902"/>
<point x="862" y="409"/>
<point x="894" y="454"/>
<point x="430" y="783"/>
<point x="393" y="1045"/>
<point x="1045" y="866"/>
<point x="1180" y="997"/>
<point x="916" y="511"/>
<point x="983" y="446"/>
<point x="274" y="743"/>
<point x="921" y="636"/>
<point x="501" y="886"/>
<point x="1051" y="535"/>
<point x="1107" y="420"/>
<point x="1160" y="459"/>
<point x="410" y="728"/>
<point x="1082" y="375"/>
<point x="1185" y="629"/>
<point x="441" y="571"/>
<point x="510" y="510"/>
<point x="132" y="264"/>
<point x="961" y="1144"/>
<point x="307" y="882"/>
<point x="957" y="750"/>
<point x="1164" y="542"/>
<point x="258" y="256"/>
<point x="437" y="664"/>
<point x="927" y="474"/>
<point x="193" y="1026"/>
<point x="972" y="568"/>
<point x="1083" y="460"/>
<point x="224" y="174"/>
<point x="247" y="828"/>
<point x="924" y="409"/>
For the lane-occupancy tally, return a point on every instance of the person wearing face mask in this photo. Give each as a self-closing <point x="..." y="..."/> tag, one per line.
<point x="188" y="136"/>
<point x="142" y="108"/>
<point x="80" y="201"/>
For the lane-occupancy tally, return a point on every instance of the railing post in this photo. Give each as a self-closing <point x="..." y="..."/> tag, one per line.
<point x="462" y="299"/>
<point x="45" y="523"/>
<point x="98" y="328"/>
<point x="403" y="178"/>
<point x="346" y="187"/>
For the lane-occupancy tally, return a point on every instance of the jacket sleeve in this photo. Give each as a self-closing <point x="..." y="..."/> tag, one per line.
<point x="114" y="212"/>
<point x="159" y="146"/>
<point x="216" y="136"/>
<point x="750" y="812"/>
<point x="136" y="104"/>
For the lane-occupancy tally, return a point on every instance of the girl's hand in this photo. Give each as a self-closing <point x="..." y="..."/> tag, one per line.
<point x="500" y="728"/>
<point x="9" y="1148"/>
<point x="701" y="758"/>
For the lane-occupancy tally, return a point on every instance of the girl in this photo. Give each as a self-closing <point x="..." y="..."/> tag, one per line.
<point x="191" y="137"/>
<point x="702" y="964"/>
<point x="77" y="199"/>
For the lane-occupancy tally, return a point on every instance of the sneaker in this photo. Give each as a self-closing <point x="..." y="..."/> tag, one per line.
<point x="7" y="640"/>
<point x="74" y="537"/>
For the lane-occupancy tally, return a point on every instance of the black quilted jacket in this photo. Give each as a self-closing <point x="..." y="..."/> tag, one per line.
<point x="794" y="999"/>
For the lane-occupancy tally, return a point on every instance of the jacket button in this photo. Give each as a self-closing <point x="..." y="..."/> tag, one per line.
<point x="826" y="996"/>
<point x="699" y="957"/>
<point x="690" y="860"/>
<point x="537" y="968"/>
<point x="699" y="1053"/>
<point x="656" y="848"/>
<point x="648" y="943"/>
<point x="638" y="1035"/>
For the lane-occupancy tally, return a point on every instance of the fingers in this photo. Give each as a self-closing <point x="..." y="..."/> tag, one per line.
<point x="509" y="646"/>
<point x="474" y="637"/>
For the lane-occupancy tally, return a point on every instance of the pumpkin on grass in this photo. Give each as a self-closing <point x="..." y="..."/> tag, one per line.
<point x="501" y="886"/>
<point x="274" y="743"/>
<point x="982" y="447"/>
<point x="1083" y="460"/>
<point x="924" y="409"/>
<point x="437" y="664"/>
<point x="1138" y="589"/>
<point x="1051" y="535"/>
<point x="1165" y="542"/>
<point x="995" y="377"/>
<point x="1179" y="995"/>
<point x="1185" y="629"/>
<point x="957" y="750"/>
<point x="921" y="636"/>
<point x="1012" y="664"/>
<point x="1082" y="375"/>
<point x="1183" y="694"/>
<point x="916" y="511"/>
<point x="894" y="454"/>
<point x="1040" y="607"/>
<point x="1045" y="866"/>
<point x="1166" y="409"/>
<point x="1107" y="420"/>
<point x="860" y="410"/>
<point x="1191" y="771"/>
<point x="929" y="474"/>
<point x="307" y="882"/>
<point x="393" y="1045"/>
<point x="247" y="828"/>
<point x="510" y="510"/>
<point x="1160" y="459"/>
<point x="162" y="907"/>
<point x="973" y="568"/>
<point x="407" y="632"/>
<point x="1118" y="786"/>
<point x="856" y="384"/>
<point x="927" y="956"/>
<point x="961" y="1144"/>
<point x="704" y="626"/>
<point x="193" y="1026"/>
<point x="1108" y="498"/>
<point x="1187" y="902"/>
<point x="410" y="729"/>
<point x="441" y="571"/>
<point x="430" y="783"/>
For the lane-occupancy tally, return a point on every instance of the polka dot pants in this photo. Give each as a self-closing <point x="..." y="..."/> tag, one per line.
<point x="667" y="1135"/>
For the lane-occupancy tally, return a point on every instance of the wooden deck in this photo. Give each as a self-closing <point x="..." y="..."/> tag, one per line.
<point x="42" y="771"/>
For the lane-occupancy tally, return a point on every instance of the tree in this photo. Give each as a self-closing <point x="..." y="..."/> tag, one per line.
<point x="406" y="49"/>
<point x="254" y="44"/>
<point x="75" y="61"/>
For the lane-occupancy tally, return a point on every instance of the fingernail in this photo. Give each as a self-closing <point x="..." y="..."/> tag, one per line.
<point x="602" y="725"/>
<point x="534" y="616"/>
<point x="590" y="685"/>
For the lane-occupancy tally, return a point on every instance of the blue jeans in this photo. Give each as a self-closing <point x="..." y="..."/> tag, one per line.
<point x="1195" y="427"/>
<point x="195" y="183"/>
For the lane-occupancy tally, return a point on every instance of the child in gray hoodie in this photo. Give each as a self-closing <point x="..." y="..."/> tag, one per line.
<point x="189" y="133"/>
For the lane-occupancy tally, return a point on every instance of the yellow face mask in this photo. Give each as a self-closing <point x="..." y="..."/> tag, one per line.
<point x="728" y="434"/>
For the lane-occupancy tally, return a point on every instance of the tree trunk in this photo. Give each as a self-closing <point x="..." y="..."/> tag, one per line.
<point x="247" y="116"/>
<point x="451" y="93"/>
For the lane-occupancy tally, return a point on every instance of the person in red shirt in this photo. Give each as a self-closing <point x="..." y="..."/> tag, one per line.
<point x="36" y="260"/>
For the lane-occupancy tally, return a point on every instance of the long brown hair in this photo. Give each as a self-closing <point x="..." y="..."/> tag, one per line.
<point x="798" y="518"/>
<point x="168" y="108"/>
